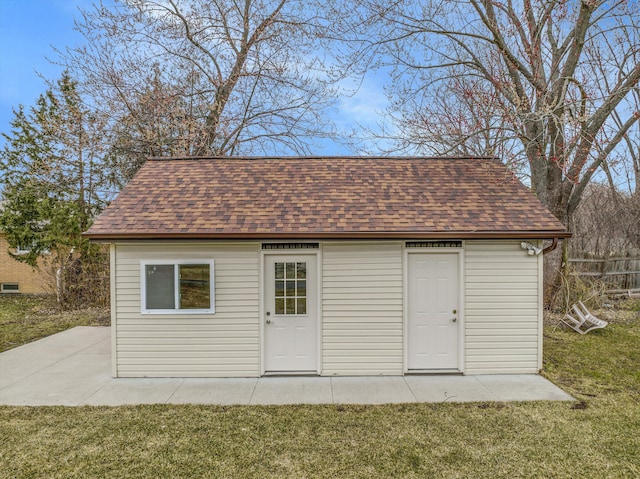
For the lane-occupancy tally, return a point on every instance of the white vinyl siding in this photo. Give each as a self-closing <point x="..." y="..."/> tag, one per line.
<point x="501" y="308"/>
<point x="361" y="305"/>
<point x="226" y="343"/>
<point x="362" y="308"/>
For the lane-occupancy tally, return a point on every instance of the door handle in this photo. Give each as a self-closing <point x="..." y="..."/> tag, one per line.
<point x="454" y="319"/>
<point x="268" y="321"/>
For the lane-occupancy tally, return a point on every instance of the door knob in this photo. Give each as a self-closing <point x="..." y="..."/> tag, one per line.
<point x="268" y="321"/>
<point x="454" y="319"/>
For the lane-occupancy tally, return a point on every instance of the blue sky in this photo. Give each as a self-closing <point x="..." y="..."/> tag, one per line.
<point x="29" y="29"/>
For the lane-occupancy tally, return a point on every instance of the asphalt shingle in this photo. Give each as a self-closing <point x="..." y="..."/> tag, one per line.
<point x="343" y="197"/>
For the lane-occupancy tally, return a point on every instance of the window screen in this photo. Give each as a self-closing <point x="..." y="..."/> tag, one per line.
<point x="160" y="292"/>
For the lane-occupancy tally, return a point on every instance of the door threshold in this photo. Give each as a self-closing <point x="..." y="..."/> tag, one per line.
<point x="433" y="372"/>
<point x="272" y="374"/>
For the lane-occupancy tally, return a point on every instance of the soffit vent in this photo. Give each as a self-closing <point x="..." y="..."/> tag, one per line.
<point x="433" y="244"/>
<point x="290" y="246"/>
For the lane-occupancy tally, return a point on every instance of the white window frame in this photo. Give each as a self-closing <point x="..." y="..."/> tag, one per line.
<point x="22" y="250"/>
<point x="296" y="297"/>
<point x="175" y="263"/>
<point x="10" y="290"/>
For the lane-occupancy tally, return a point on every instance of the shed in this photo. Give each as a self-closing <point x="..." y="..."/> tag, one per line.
<point x="243" y="267"/>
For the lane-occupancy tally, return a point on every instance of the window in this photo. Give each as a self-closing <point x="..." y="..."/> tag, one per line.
<point x="291" y="288"/>
<point x="24" y="248"/>
<point x="177" y="286"/>
<point x="9" y="288"/>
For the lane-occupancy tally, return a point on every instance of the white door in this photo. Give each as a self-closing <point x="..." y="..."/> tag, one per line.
<point x="433" y="307"/>
<point x="291" y="327"/>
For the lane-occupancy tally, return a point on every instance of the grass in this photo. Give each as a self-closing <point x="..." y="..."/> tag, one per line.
<point x="603" y="364"/>
<point x="597" y="436"/>
<point x="27" y="318"/>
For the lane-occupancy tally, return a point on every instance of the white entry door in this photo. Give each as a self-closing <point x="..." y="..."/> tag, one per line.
<point x="433" y="311"/>
<point x="291" y="323"/>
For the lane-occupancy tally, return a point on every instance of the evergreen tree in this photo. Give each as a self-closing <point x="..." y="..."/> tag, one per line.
<point x="53" y="177"/>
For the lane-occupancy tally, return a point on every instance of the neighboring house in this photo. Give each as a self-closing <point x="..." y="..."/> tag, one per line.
<point x="330" y="266"/>
<point x="16" y="276"/>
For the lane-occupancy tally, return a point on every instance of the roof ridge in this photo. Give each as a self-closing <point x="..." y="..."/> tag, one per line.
<point x="321" y="157"/>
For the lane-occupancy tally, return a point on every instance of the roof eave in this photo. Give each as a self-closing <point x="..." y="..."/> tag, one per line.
<point x="349" y="235"/>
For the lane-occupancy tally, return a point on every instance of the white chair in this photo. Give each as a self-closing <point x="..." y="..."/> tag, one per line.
<point x="586" y="320"/>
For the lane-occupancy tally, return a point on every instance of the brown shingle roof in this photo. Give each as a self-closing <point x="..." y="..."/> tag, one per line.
<point x="325" y="197"/>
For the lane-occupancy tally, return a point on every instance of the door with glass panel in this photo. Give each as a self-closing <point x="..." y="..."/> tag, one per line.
<point x="291" y="327"/>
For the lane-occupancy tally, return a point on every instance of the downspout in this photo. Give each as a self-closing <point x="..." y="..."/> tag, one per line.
<point x="551" y="247"/>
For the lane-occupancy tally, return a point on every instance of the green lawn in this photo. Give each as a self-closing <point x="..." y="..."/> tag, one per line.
<point x="598" y="436"/>
<point x="27" y="318"/>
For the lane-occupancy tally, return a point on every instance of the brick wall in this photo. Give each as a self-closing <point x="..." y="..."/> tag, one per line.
<point x="30" y="280"/>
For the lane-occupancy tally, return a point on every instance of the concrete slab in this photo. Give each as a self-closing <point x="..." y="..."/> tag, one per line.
<point x="127" y="391"/>
<point x="74" y="367"/>
<point x="23" y="361"/>
<point x="371" y="390"/>
<point x="292" y="390"/>
<point x="65" y="383"/>
<point x="522" y="387"/>
<point x="448" y="389"/>
<point x="223" y="391"/>
<point x="102" y="347"/>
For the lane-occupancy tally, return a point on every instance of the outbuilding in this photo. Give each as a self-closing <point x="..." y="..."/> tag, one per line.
<point x="244" y="267"/>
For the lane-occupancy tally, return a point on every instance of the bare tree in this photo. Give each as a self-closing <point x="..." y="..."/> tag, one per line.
<point x="205" y="77"/>
<point x="630" y="153"/>
<point x="607" y="222"/>
<point x="459" y="117"/>
<point x="559" y="76"/>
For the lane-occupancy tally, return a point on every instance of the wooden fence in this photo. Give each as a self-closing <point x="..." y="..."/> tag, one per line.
<point x="621" y="274"/>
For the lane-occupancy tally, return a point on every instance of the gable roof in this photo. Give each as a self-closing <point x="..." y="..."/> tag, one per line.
<point x="337" y="197"/>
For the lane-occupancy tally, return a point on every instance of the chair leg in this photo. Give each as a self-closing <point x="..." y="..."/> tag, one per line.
<point x="573" y="323"/>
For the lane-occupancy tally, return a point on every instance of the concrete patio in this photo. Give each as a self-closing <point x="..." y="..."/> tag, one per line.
<point x="72" y="368"/>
